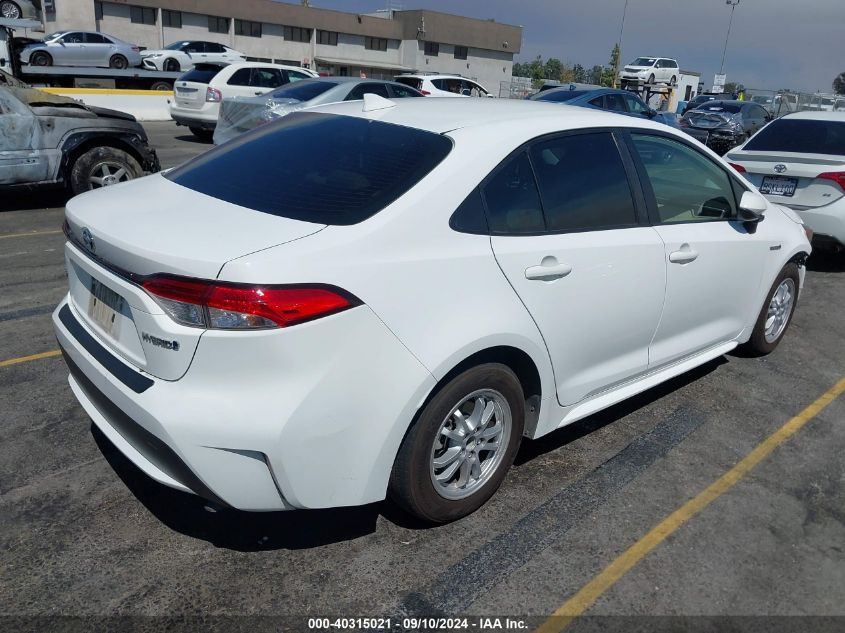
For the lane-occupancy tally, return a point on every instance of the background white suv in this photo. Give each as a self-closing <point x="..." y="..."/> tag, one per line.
<point x="651" y="70"/>
<point x="198" y="93"/>
<point x="184" y="55"/>
<point x="444" y="85"/>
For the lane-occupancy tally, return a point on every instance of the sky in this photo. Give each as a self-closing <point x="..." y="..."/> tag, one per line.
<point x="795" y="44"/>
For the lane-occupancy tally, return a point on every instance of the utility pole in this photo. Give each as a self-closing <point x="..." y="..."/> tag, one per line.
<point x="733" y="4"/>
<point x="619" y="58"/>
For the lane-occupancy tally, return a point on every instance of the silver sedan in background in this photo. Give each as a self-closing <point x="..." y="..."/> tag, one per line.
<point x="241" y="114"/>
<point x="81" y="48"/>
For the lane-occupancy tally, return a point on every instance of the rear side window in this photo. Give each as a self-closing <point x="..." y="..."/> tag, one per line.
<point x="583" y="183"/>
<point x="410" y="81"/>
<point x="303" y="90"/>
<point x="201" y="74"/>
<point x="513" y="202"/>
<point x="359" y="91"/>
<point x="319" y="168"/>
<point x="800" y="135"/>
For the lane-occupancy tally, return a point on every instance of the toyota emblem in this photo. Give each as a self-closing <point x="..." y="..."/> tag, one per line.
<point x="780" y="168"/>
<point x="88" y="240"/>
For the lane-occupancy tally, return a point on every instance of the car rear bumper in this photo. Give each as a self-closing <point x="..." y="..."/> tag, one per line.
<point x="305" y="417"/>
<point x="827" y="222"/>
<point x="204" y="118"/>
<point x="719" y="141"/>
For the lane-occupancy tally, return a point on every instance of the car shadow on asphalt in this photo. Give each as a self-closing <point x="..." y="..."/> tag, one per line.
<point x="302" y="529"/>
<point x="236" y="529"/>
<point x="826" y="262"/>
<point x="190" y="138"/>
<point x="34" y="199"/>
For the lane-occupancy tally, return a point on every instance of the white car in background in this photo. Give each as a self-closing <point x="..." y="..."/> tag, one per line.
<point x="185" y="54"/>
<point x="798" y="161"/>
<point x="444" y="85"/>
<point x="198" y="93"/>
<point x="382" y="297"/>
<point x="651" y="70"/>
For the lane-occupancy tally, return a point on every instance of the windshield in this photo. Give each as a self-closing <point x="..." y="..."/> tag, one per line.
<point x="720" y="106"/>
<point x="303" y="90"/>
<point x="804" y="136"/>
<point x="643" y="61"/>
<point x="315" y="167"/>
<point x="175" y="46"/>
<point x="559" y="96"/>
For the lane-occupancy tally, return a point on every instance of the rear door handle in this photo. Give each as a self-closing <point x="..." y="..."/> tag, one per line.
<point x="548" y="270"/>
<point x="683" y="256"/>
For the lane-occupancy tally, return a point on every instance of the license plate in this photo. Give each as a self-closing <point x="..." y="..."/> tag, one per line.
<point x="778" y="186"/>
<point x="104" y="306"/>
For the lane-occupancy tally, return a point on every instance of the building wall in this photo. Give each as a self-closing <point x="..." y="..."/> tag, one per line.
<point x="491" y="45"/>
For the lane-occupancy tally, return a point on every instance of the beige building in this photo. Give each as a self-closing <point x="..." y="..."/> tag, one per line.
<point x="382" y="44"/>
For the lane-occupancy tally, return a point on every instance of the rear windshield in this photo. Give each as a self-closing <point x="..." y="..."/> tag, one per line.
<point x="410" y="81"/>
<point x="304" y="90"/>
<point x="800" y="135"/>
<point x="315" y="167"/>
<point x="201" y="74"/>
<point x="559" y="95"/>
<point x="719" y="106"/>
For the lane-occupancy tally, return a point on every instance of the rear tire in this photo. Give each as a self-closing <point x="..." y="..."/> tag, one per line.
<point x="119" y="62"/>
<point x="102" y="167"/>
<point x="444" y="469"/>
<point x="40" y="58"/>
<point x="161" y="86"/>
<point x="10" y="10"/>
<point x="205" y="136"/>
<point x="171" y="65"/>
<point x="776" y="313"/>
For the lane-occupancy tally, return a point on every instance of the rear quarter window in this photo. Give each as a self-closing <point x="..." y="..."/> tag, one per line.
<point x="320" y="168"/>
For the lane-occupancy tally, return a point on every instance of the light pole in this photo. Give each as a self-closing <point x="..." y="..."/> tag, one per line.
<point x="619" y="57"/>
<point x="733" y="4"/>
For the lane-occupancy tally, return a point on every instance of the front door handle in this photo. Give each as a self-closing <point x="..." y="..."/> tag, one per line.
<point x="548" y="270"/>
<point x="683" y="256"/>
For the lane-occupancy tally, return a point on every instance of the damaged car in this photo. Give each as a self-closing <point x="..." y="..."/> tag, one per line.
<point x="48" y="139"/>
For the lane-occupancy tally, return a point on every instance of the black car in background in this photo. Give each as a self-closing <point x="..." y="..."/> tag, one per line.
<point x="722" y="125"/>
<point x="698" y="100"/>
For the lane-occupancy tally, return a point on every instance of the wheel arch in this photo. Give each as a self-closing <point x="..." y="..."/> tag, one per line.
<point x="78" y="143"/>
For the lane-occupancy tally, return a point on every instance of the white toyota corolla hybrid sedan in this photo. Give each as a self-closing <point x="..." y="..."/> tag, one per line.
<point x="382" y="298"/>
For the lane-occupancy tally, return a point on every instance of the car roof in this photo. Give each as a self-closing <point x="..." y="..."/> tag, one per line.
<point x="261" y="65"/>
<point x="816" y="115"/>
<point x="443" y="114"/>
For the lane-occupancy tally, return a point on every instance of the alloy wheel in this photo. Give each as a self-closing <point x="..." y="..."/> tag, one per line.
<point x="108" y="173"/>
<point x="10" y="10"/>
<point x="470" y="444"/>
<point x="780" y="309"/>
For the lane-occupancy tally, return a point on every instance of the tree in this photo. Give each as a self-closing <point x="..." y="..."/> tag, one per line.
<point x="553" y="69"/>
<point x="839" y="84"/>
<point x="579" y="74"/>
<point x="597" y="75"/>
<point x="614" y="57"/>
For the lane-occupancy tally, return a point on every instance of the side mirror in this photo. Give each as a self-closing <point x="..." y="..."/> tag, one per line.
<point x="651" y="113"/>
<point x="752" y="206"/>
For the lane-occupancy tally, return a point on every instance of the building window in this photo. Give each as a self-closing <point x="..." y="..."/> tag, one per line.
<point x="461" y="52"/>
<point x="173" y="19"/>
<point x="375" y="43"/>
<point x="327" y="37"/>
<point x="250" y="29"/>
<point x="142" y="15"/>
<point x="432" y="49"/>
<point x="297" y="34"/>
<point x="98" y="10"/>
<point x="217" y="24"/>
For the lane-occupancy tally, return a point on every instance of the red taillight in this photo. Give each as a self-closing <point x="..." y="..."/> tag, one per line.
<point x="739" y="168"/>
<point x="425" y="93"/>
<point x="214" y="305"/>
<point x="213" y="95"/>
<point x="836" y="176"/>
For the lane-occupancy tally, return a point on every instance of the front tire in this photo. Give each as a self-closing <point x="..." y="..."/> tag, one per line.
<point x="40" y="58"/>
<point x="102" y="167"/>
<point x="776" y="314"/>
<point x="170" y="65"/>
<point x="119" y="62"/>
<point x="673" y="81"/>
<point x="458" y="451"/>
<point x="651" y="79"/>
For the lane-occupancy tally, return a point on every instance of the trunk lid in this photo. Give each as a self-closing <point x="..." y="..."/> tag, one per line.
<point x="148" y="226"/>
<point x="776" y="174"/>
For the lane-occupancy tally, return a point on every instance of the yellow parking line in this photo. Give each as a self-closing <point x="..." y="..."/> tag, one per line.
<point x="592" y="591"/>
<point x="3" y="237"/>
<point x="26" y="359"/>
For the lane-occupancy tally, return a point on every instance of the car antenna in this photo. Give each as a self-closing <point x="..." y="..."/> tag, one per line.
<point x="375" y="102"/>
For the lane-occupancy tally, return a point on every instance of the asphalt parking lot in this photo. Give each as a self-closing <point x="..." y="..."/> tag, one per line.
<point x="84" y="533"/>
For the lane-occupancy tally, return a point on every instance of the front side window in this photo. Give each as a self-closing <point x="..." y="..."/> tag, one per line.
<point x="266" y="78"/>
<point x="513" y="201"/>
<point x="688" y="186"/>
<point x="583" y="183"/>
<point x="72" y="38"/>
<point x="635" y="105"/>
<point x="335" y="170"/>
<point x="295" y="75"/>
<point x="614" y="102"/>
<point x="240" y="77"/>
